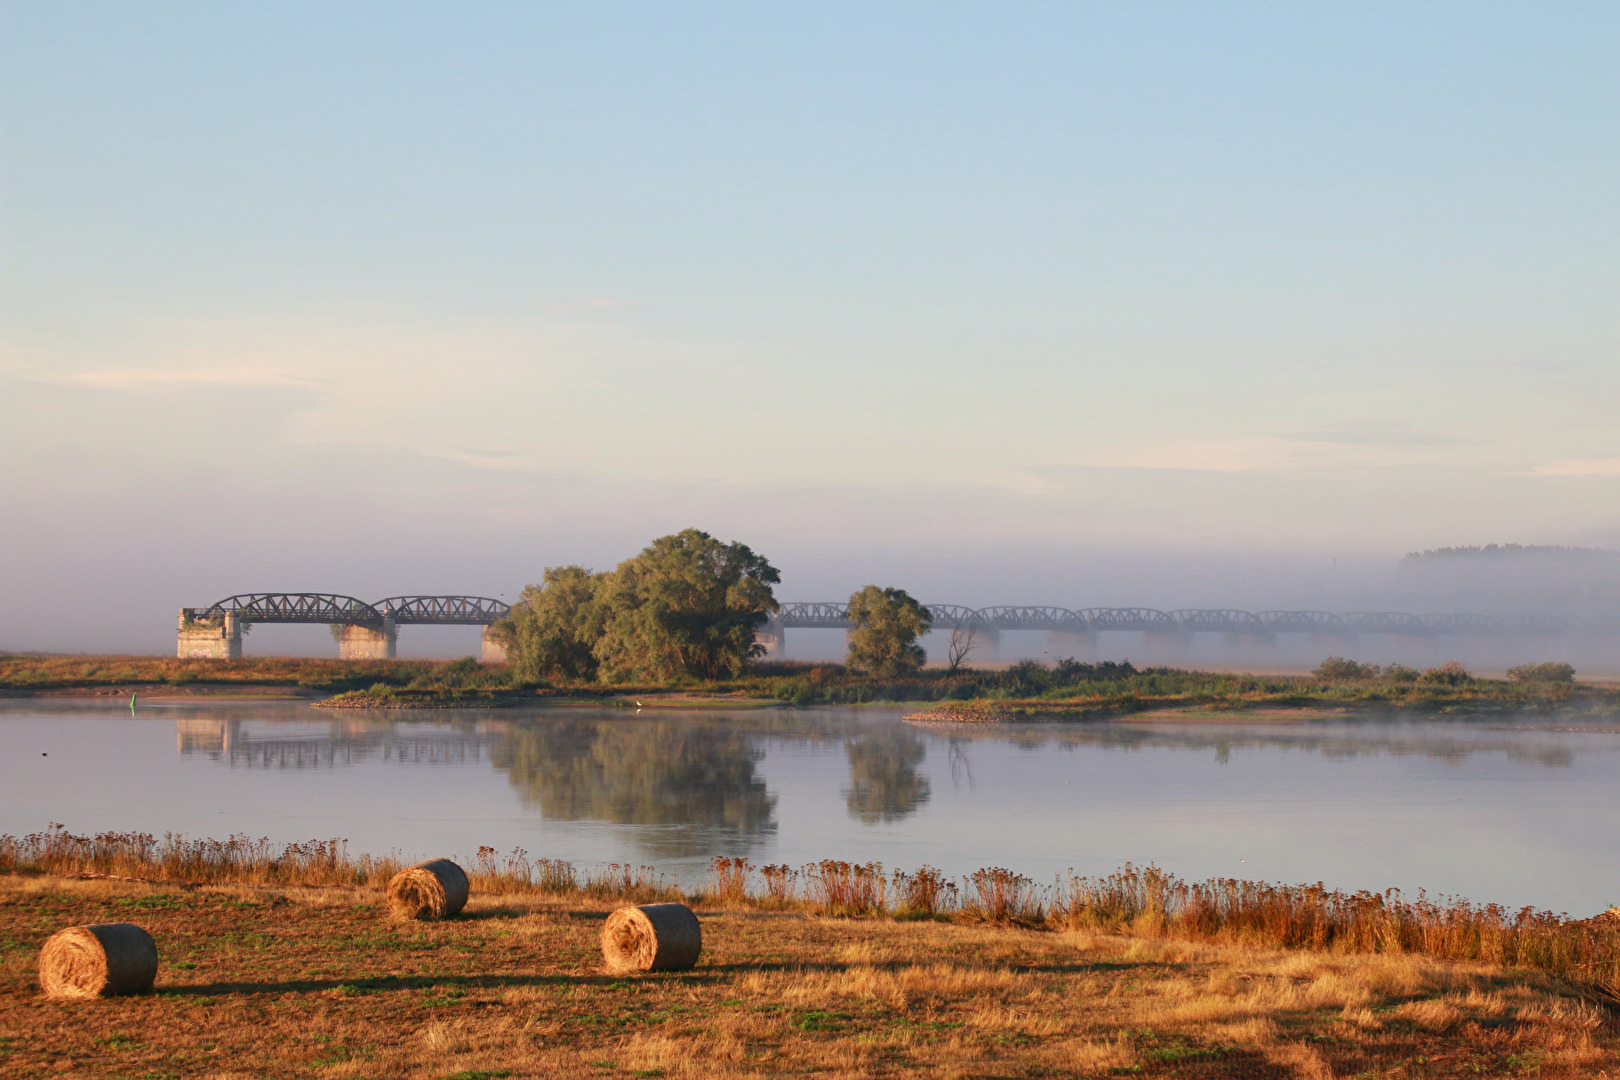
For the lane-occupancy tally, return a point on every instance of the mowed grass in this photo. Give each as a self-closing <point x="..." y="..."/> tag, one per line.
<point x="295" y="981"/>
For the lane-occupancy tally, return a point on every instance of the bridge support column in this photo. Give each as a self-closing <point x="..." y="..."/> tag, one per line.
<point x="493" y="649"/>
<point x="1166" y="648"/>
<point x="368" y="642"/>
<point x="986" y="645"/>
<point x="209" y="640"/>
<point x="1064" y="645"/>
<point x="773" y="636"/>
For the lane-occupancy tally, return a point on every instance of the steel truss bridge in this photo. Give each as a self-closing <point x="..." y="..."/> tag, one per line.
<point x="339" y="610"/>
<point x="1087" y="622"/>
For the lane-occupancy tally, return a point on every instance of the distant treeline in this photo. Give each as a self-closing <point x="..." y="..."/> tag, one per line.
<point x="1539" y="552"/>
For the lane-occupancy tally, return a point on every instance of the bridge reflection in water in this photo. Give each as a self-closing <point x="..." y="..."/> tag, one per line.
<point x="326" y="744"/>
<point x="694" y="782"/>
<point x="685" y="786"/>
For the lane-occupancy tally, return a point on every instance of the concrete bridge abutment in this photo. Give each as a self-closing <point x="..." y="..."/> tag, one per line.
<point x="1067" y="645"/>
<point x="368" y="642"/>
<point x="773" y="638"/>
<point x="983" y="644"/>
<point x="492" y="648"/>
<point x="208" y="639"/>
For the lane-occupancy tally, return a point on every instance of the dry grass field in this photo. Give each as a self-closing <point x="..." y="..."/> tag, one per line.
<point x="292" y="981"/>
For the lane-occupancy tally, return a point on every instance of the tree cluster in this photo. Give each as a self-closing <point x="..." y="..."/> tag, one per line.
<point x="687" y="607"/>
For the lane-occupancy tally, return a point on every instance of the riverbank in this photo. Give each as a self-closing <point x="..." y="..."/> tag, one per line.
<point x="282" y="980"/>
<point x="1024" y="692"/>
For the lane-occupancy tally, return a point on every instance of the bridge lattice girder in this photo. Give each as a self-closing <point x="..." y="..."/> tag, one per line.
<point x="293" y="608"/>
<point x="1302" y="622"/>
<point x="337" y="609"/>
<point x="444" y="610"/>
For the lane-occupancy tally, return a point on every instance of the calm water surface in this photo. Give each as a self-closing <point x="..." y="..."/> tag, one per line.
<point x="1511" y="811"/>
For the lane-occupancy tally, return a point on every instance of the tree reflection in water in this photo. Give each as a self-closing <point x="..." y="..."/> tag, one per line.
<point x="678" y="772"/>
<point x="883" y="781"/>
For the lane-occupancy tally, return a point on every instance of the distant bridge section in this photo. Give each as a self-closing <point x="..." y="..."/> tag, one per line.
<point x="1070" y="632"/>
<point x="367" y="631"/>
<point x="835" y="616"/>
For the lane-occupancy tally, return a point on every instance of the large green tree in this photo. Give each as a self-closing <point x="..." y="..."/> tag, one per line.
<point x="888" y="623"/>
<point x="555" y="626"/>
<point x="686" y="607"/>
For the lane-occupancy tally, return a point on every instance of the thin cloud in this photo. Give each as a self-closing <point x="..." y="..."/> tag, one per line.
<point x="1580" y="467"/>
<point x="573" y="305"/>
<point x="143" y="378"/>
<point x="1377" y="433"/>
<point x="153" y="377"/>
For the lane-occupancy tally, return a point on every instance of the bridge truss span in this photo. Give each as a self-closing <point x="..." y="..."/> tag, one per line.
<point x="1302" y="622"/>
<point x="1219" y="621"/>
<point x="364" y="631"/>
<point x="1032" y="617"/>
<point x="329" y="608"/>
<point x="444" y="610"/>
<point x="956" y="617"/>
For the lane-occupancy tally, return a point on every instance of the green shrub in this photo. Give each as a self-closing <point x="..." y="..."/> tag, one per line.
<point x="1338" y="669"/>
<point x="1449" y="673"/>
<point x="1551" y="672"/>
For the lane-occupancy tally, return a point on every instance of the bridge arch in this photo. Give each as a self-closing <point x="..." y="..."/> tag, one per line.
<point x="444" y="610"/>
<point x="332" y="608"/>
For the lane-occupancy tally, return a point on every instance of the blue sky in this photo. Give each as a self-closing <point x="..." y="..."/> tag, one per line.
<point x="1066" y="303"/>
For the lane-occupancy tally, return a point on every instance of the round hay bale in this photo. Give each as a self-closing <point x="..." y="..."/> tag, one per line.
<point x="98" y="961"/>
<point x="653" y="937"/>
<point x="435" y="889"/>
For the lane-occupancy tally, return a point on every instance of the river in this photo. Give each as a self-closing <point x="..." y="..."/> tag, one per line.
<point x="1511" y="811"/>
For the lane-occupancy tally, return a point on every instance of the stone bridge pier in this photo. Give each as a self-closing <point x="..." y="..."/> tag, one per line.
<point x="357" y="642"/>
<point x="1065" y="645"/>
<point x="209" y="639"/>
<point x="773" y="636"/>
<point x="493" y="650"/>
<point x="983" y="643"/>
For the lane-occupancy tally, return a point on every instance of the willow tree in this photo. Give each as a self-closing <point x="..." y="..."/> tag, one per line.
<point x="686" y="607"/>
<point x="888" y="623"/>
<point x="555" y="626"/>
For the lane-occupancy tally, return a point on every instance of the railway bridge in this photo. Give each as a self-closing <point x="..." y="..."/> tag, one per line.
<point x="369" y="631"/>
<point x="365" y="631"/>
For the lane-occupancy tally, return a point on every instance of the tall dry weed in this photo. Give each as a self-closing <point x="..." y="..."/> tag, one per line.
<point x="781" y="884"/>
<point x="622" y="881"/>
<point x="927" y="892"/>
<point x="995" y="894"/>
<point x="844" y="888"/>
<point x="728" y="879"/>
